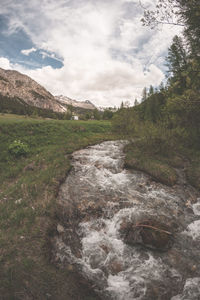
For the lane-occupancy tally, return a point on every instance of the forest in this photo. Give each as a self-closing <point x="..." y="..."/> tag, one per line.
<point x="166" y="125"/>
<point x="20" y="107"/>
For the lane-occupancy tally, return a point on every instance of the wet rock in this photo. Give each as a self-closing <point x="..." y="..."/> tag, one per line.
<point x="148" y="233"/>
<point x="115" y="267"/>
<point x="60" y="228"/>
<point x="96" y="260"/>
<point x="191" y="290"/>
<point x="157" y="290"/>
<point x="105" y="248"/>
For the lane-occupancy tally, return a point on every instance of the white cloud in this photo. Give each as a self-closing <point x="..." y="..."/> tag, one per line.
<point x="103" y="44"/>
<point x="28" y="51"/>
<point x="4" y="63"/>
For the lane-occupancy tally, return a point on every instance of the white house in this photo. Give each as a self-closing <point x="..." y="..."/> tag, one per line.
<point x="76" y="118"/>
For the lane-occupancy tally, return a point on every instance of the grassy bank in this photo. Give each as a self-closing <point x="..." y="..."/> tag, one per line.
<point x="193" y="168"/>
<point x="162" y="168"/>
<point x="155" y="166"/>
<point x="28" y="190"/>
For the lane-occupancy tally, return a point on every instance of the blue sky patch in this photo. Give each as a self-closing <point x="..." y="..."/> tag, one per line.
<point x="11" y="45"/>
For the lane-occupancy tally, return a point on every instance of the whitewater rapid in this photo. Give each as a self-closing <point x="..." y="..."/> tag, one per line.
<point x="98" y="196"/>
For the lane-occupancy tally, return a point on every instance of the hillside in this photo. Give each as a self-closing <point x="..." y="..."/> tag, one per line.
<point x="76" y="104"/>
<point x="19" y="94"/>
<point x="14" y="85"/>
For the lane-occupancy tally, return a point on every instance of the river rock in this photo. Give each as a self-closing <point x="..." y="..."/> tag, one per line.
<point x="60" y="228"/>
<point x="115" y="266"/>
<point x="148" y="233"/>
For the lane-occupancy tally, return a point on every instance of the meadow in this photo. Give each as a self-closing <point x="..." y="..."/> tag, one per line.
<point x="29" y="184"/>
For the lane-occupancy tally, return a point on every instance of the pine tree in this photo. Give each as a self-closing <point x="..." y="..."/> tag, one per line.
<point x="144" y="94"/>
<point x="136" y="102"/>
<point x="177" y="65"/>
<point x="151" y="90"/>
<point x="161" y="87"/>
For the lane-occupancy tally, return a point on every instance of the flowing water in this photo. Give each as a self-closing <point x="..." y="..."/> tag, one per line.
<point x="98" y="197"/>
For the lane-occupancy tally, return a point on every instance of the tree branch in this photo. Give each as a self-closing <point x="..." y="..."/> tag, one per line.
<point x="152" y="227"/>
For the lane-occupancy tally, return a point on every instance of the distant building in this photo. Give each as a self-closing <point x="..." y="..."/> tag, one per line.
<point x="76" y="118"/>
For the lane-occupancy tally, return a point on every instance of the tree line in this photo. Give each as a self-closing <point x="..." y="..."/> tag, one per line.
<point x="170" y="115"/>
<point x="18" y="106"/>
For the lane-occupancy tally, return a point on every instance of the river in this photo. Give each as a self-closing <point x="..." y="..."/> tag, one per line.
<point x="99" y="199"/>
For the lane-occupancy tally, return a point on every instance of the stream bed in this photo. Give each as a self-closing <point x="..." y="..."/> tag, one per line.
<point x="98" y="202"/>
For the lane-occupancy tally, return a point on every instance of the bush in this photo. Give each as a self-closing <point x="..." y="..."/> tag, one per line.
<point x="18" y="148"/>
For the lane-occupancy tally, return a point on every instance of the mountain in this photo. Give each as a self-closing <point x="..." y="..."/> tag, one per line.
<point x="15" y="85"/>
<point x="77" y="104"/>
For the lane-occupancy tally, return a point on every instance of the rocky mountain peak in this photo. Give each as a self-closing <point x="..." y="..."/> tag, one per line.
<point x="14" y="84"/>
<point x="81" y="104"/>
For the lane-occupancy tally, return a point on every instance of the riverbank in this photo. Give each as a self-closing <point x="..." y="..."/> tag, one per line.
<point x="28" y="189"/>
<point x="163" y="168"/>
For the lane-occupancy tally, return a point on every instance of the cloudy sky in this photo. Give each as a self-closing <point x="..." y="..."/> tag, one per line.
<point x="84" y="49"/>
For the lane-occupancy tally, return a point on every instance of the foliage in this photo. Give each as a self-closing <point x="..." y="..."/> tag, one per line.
<point x="96" y="114"/>
<point x="144" y="94"/>
<point x="184" y="53"/>
<point x="123" y="121"/>
<point x="166" y="124"/>
<point x="18" y="148"/>
<point x="107" y="114"/>
<point x="151" y="91"/>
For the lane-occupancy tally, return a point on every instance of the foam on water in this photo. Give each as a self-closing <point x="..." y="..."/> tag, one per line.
<point x="196" y="207"/>
<point x="191" y="290"/>
<point x="119" y="287"/>
<point x="103" y="249"/>
<point x="120" y="271"/>
<point x="193" y="230"/>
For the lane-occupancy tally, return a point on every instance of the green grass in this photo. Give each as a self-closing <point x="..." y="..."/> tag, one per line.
<point x="163" y="167"/>
<point x="193" y="168"/>
<point x="28" y="190"/>
<point x="154" y="165"/>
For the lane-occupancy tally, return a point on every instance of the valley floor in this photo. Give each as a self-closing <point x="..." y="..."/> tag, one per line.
<point x="28" y="189"/>
<point x="29" y="186"/>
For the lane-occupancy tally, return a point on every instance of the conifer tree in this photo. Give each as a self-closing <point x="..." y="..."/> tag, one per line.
<point x="144" y="94"/>
<point x="151" y="90"/>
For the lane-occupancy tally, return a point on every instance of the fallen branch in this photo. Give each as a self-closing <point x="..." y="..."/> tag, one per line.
<point x="152" y="227"/>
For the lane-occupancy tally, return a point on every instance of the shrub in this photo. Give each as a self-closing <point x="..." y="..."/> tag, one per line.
<point x="18" y="148"/>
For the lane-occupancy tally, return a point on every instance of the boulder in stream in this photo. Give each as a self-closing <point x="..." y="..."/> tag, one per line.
<point x="148" y="233"/>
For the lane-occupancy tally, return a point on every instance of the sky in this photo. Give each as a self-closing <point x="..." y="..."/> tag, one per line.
<point x="93" y="50"/>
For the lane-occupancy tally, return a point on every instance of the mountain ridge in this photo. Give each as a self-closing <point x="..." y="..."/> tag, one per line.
<point x="14" y="84"/>
<point x="87" y="104"/>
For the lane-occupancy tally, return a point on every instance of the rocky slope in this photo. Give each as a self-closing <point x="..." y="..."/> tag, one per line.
<point x="16" y="85"/>
<point x="80" y="104"/>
